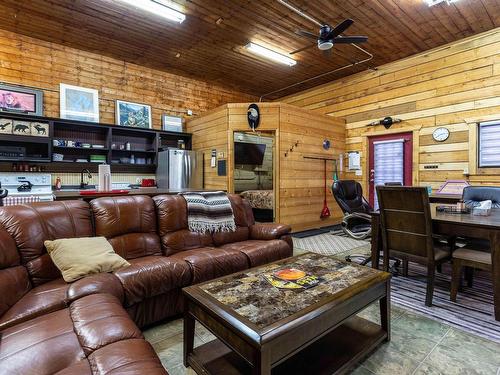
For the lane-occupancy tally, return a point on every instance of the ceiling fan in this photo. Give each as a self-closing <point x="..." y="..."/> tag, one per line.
<point x="329" y="36"/>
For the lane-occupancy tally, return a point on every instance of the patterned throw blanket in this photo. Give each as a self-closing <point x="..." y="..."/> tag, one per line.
<point x="209" y="212"/>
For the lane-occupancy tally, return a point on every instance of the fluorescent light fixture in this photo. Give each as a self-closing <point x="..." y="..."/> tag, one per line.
<point x="158" y="7"/>
<point x="269" y="54"/>
<point x="436" y="2"/>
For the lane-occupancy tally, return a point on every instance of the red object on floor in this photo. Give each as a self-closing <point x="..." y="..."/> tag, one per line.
<point x="104" y="193"/>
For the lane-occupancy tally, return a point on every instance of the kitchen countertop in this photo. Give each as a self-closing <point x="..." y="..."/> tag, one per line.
<point x="75" y="194"/>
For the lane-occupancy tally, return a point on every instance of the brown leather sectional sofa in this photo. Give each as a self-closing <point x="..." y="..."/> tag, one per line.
<point x="91" y="326"/>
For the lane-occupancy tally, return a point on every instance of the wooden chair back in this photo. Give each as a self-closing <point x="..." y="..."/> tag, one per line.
<point x="406" y="222"/>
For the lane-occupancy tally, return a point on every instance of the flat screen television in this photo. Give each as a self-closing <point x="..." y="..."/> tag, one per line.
<point x="249" y="153"/>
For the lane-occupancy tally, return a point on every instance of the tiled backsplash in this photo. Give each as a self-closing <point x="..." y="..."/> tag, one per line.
<point x="74" y="178"/>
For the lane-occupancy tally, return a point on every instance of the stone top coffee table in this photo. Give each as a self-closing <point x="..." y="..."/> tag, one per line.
<point x="261" y="329"/>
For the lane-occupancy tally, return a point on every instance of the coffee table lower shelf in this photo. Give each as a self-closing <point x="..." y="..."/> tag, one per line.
<point x="335" y="352"/>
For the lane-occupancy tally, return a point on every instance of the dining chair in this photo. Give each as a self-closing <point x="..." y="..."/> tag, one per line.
<point x="464" y="257"/>
<point x="406" y="226"/>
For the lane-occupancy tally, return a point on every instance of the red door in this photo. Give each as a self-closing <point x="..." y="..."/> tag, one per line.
<point x="390" y="161"/>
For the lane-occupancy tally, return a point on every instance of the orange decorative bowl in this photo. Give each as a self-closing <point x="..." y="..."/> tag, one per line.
<point x="290" y="274"/>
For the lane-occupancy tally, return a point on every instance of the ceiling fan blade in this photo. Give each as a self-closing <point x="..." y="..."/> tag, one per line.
<point x="350" y="39"/>
<point x="306" y="34"/>
<point x="340" y="28"/>
<point x="302" y="49"/>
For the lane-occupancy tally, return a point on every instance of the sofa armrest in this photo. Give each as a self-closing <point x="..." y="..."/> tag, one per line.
<point x="269" y="231"/>
<point x="94" y="284"/>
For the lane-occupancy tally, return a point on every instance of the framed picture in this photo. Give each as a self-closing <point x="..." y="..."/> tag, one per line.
<point x="40" y="129"/>
<point x="171" y="123"/>
<point x="133" y="114"/>
<point x="21" y="128"/>
<point x="21" y="99"/>
<point x="6" y="126"/>
<point x="79" y="103"/>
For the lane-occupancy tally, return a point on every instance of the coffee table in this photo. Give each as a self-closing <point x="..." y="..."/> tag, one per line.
<point x="261" y="329"/>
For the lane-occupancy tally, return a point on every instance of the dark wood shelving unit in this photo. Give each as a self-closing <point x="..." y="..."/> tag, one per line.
<point x="144" y="144"/>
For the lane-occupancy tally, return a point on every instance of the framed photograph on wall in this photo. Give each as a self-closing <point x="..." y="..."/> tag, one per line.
<point x="171" y="123"/>
<point x="135" y="115"/>
<point x="21" y="99"/>
<point x="79" y="103"/>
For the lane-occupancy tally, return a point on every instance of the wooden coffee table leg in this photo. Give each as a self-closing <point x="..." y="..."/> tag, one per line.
<point x="385" y="311"/>
<point x="375" y="243"/>
<point x="189" y="323"/>
<point x="495" y="257"/>
<point x="263" y="365"/>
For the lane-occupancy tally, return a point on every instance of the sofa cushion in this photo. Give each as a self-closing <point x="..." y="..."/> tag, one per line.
<point x="80" y="257"/>
<point x="94" y="284"/>
<point x="134" y="356"/>
<point x="31" y="225"/>
<point x="173" y="226"/>
<point x="38" y="301"/>
<point x="150" y="276"/>
<point x="129" y="224"/>
<point x="44" y="345"/>
<point x="100" y="320"/>
<point x="14" y="284"/>
<point x="208" y="263"/>
<point x="261" y="252"/>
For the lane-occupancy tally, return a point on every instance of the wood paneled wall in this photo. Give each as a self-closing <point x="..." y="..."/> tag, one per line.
<point x="454" y="86"/>
<point x="300" y="181"/>
<point x="34" y="62"/>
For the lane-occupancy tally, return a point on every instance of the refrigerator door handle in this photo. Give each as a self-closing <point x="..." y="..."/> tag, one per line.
<point x="186" y="169"/>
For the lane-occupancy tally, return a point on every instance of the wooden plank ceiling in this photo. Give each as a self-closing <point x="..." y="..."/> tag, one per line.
<point x="201" y="47"/>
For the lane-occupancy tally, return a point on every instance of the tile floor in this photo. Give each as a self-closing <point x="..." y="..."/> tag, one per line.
<point x="419" y="346"/>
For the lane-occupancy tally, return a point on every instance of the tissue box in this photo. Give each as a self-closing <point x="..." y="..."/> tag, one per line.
<point x="477" y="211"/>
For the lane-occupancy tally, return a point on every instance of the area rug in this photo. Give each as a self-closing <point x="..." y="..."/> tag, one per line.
<point x="473" y="311"/>
<point x="327" y="244"/>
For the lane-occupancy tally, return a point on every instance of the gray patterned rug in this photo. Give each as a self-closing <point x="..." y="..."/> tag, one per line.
<point x="473" y="311"/>
<point x="327" y="244"/>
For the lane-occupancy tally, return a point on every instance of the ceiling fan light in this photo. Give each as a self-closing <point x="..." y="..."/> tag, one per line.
<point x="325" y="44"/>
<point x="270" y="54"/>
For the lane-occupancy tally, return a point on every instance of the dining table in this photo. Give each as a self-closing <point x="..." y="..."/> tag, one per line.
<point x="456" y="224"/>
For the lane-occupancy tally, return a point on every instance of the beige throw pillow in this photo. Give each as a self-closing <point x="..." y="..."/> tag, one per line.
<point x="80" y="257"/>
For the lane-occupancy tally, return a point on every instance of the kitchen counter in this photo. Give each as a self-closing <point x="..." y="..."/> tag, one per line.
<point x="75" y="194"/>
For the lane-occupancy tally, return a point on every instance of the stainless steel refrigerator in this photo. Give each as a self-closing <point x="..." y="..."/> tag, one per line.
<point x="179" y="169"/>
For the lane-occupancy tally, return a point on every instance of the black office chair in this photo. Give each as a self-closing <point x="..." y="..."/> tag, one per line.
<point x="357" y="219"/>
<point x="473" y="195"/>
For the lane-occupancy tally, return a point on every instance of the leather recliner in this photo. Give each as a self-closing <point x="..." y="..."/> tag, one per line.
<point x="357" y="220"/>
<point x="49" y="326"/>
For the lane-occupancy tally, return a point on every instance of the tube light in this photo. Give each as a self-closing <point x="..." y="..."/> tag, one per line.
<point x="158" y="7"/>
<point x="436" y="2"/>
<point x="269" y="54"/>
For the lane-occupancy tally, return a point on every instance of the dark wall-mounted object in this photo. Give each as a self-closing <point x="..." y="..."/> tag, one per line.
<point x="386" y="121"/>
<point x="253" y="116"/>
<point x="221" y="168"/>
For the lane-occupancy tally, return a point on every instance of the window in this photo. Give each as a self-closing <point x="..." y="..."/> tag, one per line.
<point x="389" y="163"/>
<point x="489" y="144"/>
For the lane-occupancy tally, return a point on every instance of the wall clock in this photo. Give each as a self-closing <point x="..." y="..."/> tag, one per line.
<point x="441" y="134"/>
<point x="253" y="116"/>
